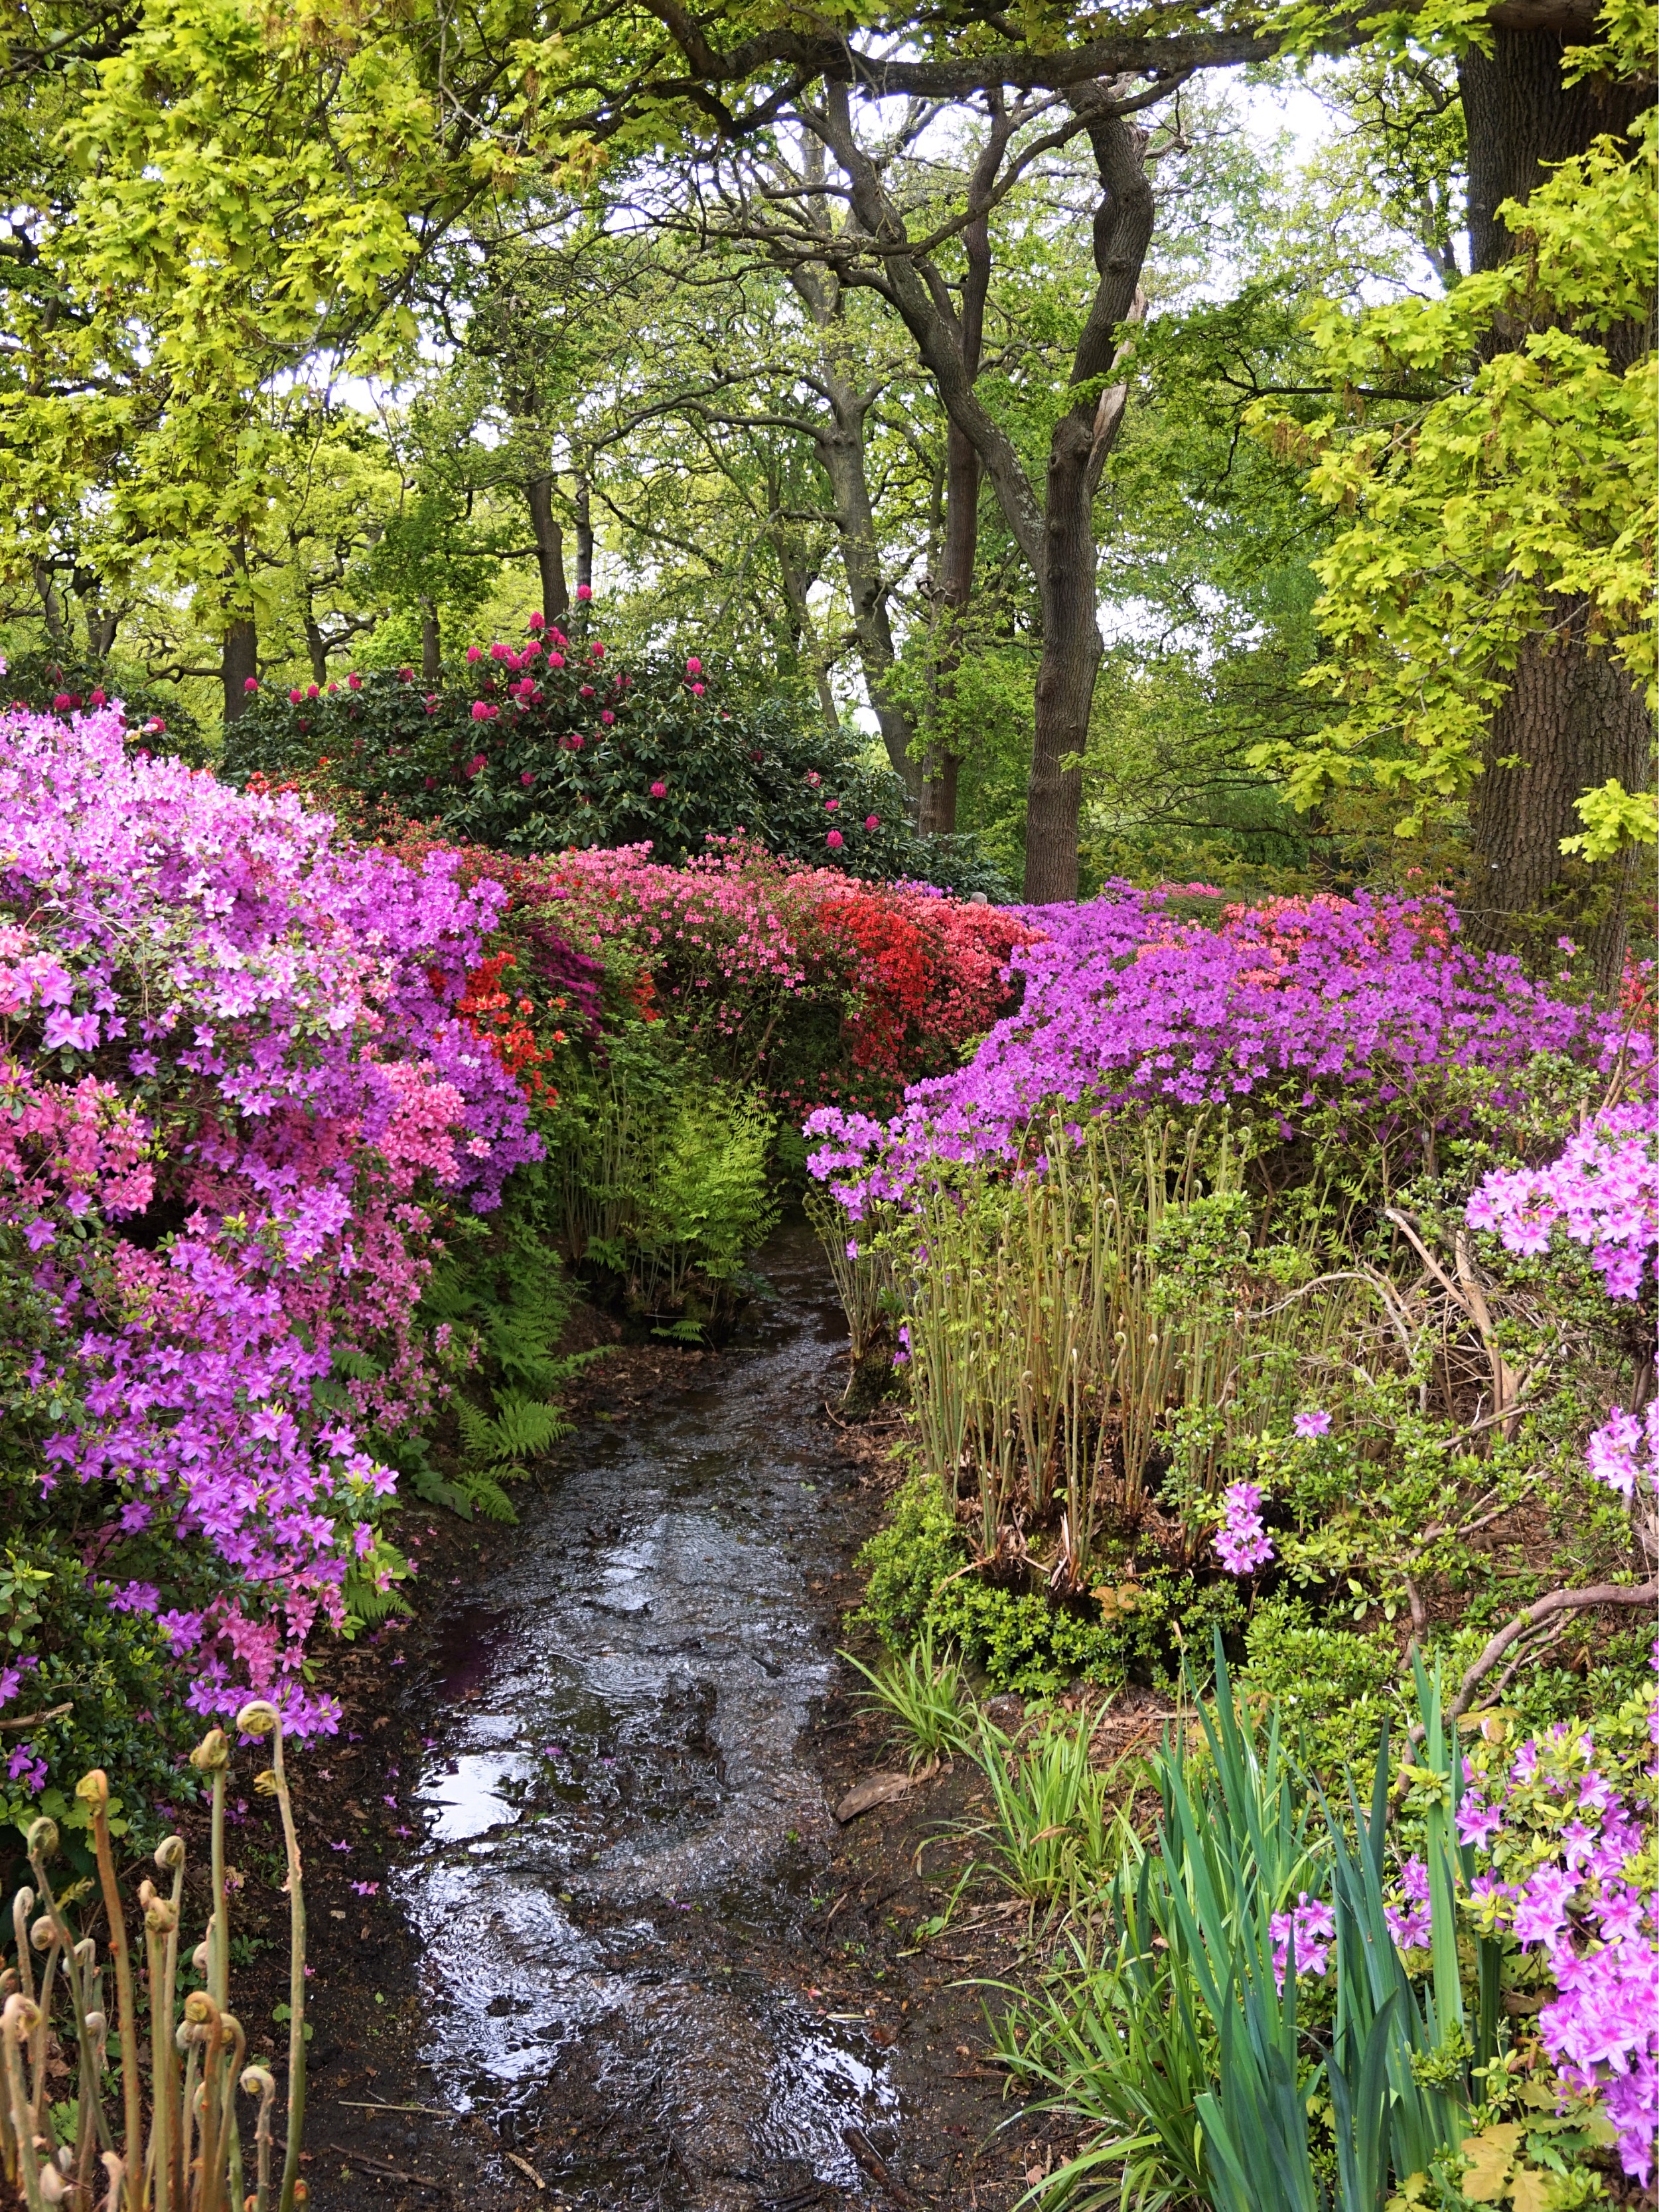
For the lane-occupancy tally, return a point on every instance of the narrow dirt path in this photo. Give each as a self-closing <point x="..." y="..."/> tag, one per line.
<point x="618" y="1954"/>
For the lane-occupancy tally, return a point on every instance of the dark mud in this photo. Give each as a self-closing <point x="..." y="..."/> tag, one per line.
<point x="588" y="1933"/>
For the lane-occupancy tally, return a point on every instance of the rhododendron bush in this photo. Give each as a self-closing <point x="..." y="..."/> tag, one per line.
<point x="239" y="1086"/>
<point x="559" y="740"/>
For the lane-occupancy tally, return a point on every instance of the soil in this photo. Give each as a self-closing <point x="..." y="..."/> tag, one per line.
<point x="642" y="1965"/>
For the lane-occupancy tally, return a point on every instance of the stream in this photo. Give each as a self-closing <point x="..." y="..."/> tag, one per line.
<point x="619" y="1842"/>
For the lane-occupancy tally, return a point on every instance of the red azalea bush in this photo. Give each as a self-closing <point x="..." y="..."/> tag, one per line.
<point x="820" y="990"/>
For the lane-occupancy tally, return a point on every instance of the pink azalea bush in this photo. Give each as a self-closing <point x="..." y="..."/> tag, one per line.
<point x="1603" y="1190"/>
<point x="234" y="1103"/>
<point x="1569" y="1856"/>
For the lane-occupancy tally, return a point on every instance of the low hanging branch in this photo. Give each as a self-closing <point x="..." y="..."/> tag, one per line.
<point x="1558" y="1601"/>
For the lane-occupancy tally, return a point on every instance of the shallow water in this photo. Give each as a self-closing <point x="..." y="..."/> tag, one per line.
<point x="619" y="1839"/>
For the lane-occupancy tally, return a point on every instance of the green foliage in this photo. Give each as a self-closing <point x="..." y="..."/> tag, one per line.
<point x="916" y="1547"/>
<point x="1224" y="2086"/>
<point x="1053" y="1835"/>
<point x="40" y="679"/>
<point x="504" y="1298"/>
<point x="664" y="1180"/>
<point x="1512" y="458"/>
<point x="924" y="1697"/>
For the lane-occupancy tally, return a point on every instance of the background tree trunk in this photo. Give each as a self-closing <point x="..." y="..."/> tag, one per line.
<point x="549" y="549"/>
<point x="239" y="659"/>
<point x="583" y="536"/>
<point x="943" y="770"/>
<point x="432" y="658"/>
<point x="1571" y="718"/>
<point x="1066" y="573"/>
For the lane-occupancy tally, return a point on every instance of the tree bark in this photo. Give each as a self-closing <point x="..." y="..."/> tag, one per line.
<point x="943" y="768"/>
<point x="316" y="647"/>
<point x="584" y="537"/>
<point x="549" y="549"/>
<point x="1571" y="718"/>
<point x="239" y="660"/>
<point x="101" y="622"/>
<point x="432" y="658"/>
<point x="1077" y="453"/>
<point x="841" y="452"/>
<point x="52" y="606"/>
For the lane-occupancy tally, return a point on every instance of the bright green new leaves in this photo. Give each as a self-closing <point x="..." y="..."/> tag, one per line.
<point x="1613" y="818"/>
<point x="238" y="192"/>
<point x="1496" y="482"/>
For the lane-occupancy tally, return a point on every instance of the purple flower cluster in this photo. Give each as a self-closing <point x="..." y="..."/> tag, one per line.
<point x="1313" y="1925"/>
<point x="1369" y="999"/>
<point x="210" y="1003"/>
<point x="1242" y="1544"/>
<point x="1570" y="1872"/>
<point x="1410" y="1922"/>
<point x="1605" y="1188"/>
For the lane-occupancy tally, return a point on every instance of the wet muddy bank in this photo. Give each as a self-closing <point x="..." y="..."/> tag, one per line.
<point x="586" y="1930"/>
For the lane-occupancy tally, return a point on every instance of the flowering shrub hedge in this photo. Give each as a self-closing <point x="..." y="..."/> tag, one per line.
<point x="240" y="1087"/>
<point x="1370" y="1001"/>
<point x="817" y="988"/>
<point x="554" y="743"/>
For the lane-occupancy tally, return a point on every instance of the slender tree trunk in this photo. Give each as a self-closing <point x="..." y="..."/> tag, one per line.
<point x="1066" y="577"/>
<point x="549" y="549"/>
<point x="432" y="658"/>
<point x="841" y="451"/>
<point x="942" y="771"/>
<point x="239" y="660"/>
<point x="1571" y="717"/>
<point x="100" y="623"/>
<point x="316" y="647"/>
<point x="584" y="537"/>
<point x="52" y="606"/>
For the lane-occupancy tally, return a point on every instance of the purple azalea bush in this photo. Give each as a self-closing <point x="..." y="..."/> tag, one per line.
<point x="1370" y="999"/>
<point x="234" y="1105"/>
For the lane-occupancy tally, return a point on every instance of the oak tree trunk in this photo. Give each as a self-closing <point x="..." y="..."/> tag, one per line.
<point x="432" y="658"/>
<point x="1571" y="717"/>
<point x="549" y="549"/>
<point x="239" y="660"/>
<point x="1066" y="576"/>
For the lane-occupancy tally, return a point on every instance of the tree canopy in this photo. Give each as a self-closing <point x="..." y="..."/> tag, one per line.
<point x="1147" y="487"/>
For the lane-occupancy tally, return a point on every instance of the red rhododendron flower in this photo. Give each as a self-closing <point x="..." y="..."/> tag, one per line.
<point x="834" y="838"/>
<point x="659" y="791"/>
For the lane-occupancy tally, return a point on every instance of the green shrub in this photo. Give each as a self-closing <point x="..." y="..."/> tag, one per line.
<point x="40" y="679"/>
<point x="914" y="1549"/>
